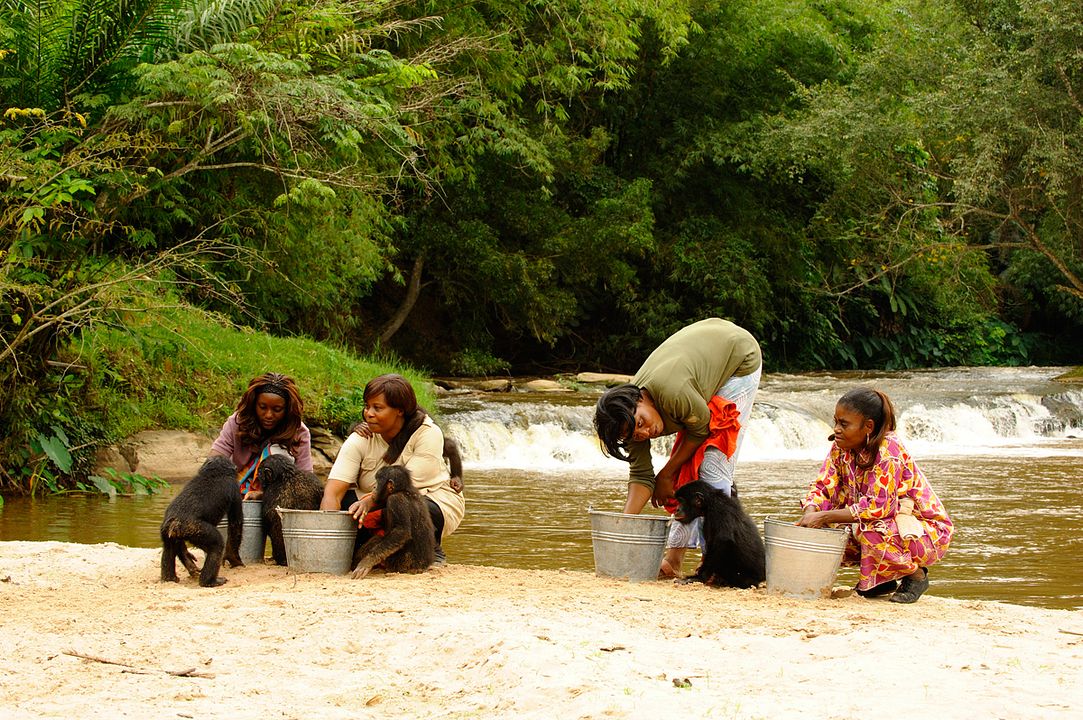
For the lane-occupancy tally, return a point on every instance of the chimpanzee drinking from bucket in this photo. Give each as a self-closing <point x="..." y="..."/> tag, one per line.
<point x="288" y="487"/>
<point x="193" y="517"/>
<point x="733" y="552"/>
<point x="408" y="543"/>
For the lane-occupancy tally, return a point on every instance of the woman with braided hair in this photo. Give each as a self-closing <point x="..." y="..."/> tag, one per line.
<point x="268" y="421"/>
<point x="870" y="482"/>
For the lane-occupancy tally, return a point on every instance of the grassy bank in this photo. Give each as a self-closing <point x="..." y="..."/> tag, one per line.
<point x="175" y="368"/>
<point x="1073" y="375"/>
<point x="186" y="370"/>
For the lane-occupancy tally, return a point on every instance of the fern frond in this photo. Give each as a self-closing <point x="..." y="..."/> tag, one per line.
<point x="110" y="36"/>
<point x="205" y="23"/>
<point x="37" y="30"/>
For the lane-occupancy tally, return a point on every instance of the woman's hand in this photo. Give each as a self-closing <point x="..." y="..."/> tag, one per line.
<point x="818" y="519"/>
<point x="360" y="508"/>
<point x="663" y="488"/>
<point x="812" y="519"/>
<point x="253" y="495"/>
<point x="362" y="429"/>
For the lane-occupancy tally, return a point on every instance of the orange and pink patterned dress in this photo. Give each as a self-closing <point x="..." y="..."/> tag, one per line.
<point x="873" y="496"/>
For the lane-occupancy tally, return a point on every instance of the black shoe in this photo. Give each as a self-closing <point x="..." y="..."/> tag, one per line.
<point x="879" y="590"/>
<point x="440" y="558"/>
<point x="910" y="589"/>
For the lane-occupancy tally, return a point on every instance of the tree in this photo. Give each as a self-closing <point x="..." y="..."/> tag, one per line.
<point x="189" y="140"/>
<point x="953" y="151"/>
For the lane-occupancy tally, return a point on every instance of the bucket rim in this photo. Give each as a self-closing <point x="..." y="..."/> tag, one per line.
<point x="313" y="512"/>
<point x="774" y="520"/>
<point x="642" y="516"/>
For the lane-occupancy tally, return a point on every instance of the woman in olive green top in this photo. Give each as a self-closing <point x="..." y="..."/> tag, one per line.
<point x="670" y="393"/>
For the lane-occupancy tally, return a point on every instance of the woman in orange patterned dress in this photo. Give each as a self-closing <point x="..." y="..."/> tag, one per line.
<point x="899" y="526"/>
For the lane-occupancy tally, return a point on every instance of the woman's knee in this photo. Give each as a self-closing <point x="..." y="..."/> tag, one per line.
<point x="717" y="470"/>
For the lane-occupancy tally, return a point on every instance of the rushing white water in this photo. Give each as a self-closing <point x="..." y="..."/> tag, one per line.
<point x="965" y="411"/>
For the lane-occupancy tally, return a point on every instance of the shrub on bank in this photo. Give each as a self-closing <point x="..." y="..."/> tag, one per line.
<point x="175" y="368"/>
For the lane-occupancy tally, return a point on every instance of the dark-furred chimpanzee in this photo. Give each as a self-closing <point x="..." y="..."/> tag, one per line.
<point x="193" y="517"/>
<point x="455" y="463"/>
<point x="733" y="552"/>
<point x="408" y="543"/>
<point x="284" y="486"/>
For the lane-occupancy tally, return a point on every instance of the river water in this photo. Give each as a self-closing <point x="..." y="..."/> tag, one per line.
<point x="1003" y="448"/>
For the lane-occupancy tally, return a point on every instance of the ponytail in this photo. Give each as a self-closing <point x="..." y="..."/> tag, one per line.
<point x="875" y="406"/>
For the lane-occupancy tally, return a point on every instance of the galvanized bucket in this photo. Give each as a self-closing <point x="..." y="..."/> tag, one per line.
<point x="318" y="541"/>
<point x="627" y="546"/>
<point x="253" y="541"/>
<point x="802" y="561"/>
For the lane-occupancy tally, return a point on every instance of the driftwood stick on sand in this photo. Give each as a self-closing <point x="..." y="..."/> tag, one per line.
<point x="190" y="672"/>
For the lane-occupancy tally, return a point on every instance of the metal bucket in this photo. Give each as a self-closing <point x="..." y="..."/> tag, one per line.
<point x="627" y="546"/>
<point x="318" y="540"/>
<point x="802" y="561"/>
<point x="253" y="541"/>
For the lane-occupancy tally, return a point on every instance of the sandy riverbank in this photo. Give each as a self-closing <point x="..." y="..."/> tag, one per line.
<point x="472" y="642"/>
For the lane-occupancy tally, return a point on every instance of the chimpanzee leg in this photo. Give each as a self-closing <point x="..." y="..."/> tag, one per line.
<point x="209" y="540"/>
<point x="188" y="559"/>
<point x="169" y="559"/>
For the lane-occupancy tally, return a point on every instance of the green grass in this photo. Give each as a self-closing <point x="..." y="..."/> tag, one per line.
<point x="181" y="368"/>
<point x="1073" y="375"/>
<point x="161" y="364"/>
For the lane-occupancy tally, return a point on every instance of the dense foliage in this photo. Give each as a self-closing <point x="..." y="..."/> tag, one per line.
<point x="490" y="186"/>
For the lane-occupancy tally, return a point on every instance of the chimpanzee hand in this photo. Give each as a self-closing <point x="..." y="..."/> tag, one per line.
<point x="362" y="429"/>
<point x="456" y="484"/>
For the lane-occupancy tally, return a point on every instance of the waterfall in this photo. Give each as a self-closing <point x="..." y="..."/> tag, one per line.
<point x="980" y="411"/>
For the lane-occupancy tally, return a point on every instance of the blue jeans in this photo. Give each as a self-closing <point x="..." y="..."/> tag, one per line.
<point x="717" y="469"/>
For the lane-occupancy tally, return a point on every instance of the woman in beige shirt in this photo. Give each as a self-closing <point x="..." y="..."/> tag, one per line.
<point x="396" y="432"/>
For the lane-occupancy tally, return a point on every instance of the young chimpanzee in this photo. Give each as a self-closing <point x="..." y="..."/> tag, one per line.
<point x="733" y="552"/>
<point x="193" y="517"/>
<point x="284" y="486"/>
<point x="408" y="543"/>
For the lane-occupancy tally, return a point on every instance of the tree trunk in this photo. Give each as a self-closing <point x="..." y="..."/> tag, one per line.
<point x="413" y="291"/>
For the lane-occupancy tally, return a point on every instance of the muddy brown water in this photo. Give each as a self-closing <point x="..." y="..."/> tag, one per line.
<point x="1019" y="532"/>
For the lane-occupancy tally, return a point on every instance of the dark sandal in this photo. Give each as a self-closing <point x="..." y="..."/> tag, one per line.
<point x="910" y="589"/>
<point x="879" y="590"/>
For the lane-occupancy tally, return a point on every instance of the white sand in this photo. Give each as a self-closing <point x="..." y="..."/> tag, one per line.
<point x="477" y="642"/>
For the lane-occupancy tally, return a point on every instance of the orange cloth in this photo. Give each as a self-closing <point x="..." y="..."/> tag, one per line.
<point x="373" y="520"/>
<point x="722" y="434"/>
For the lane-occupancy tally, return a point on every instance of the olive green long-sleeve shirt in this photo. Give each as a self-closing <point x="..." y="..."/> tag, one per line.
<point x="682" y="374"/>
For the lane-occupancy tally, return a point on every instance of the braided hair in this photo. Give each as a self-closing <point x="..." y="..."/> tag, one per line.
<point x="249" y="430"/>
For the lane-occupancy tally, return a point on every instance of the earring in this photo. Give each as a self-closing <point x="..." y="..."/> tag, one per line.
<point x="866" y="439"/>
